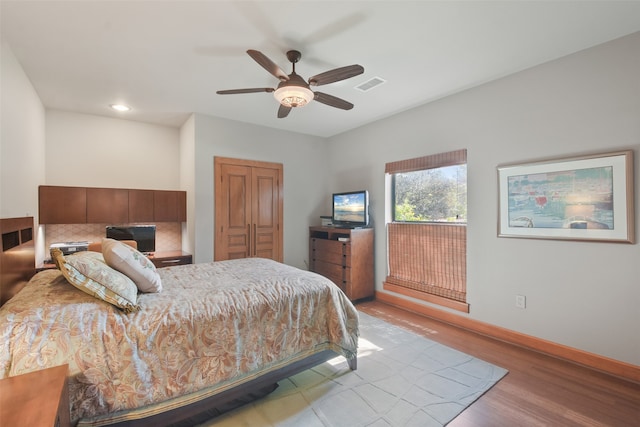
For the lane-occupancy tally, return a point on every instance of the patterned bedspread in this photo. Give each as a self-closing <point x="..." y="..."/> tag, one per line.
<point x="214" y="326"/>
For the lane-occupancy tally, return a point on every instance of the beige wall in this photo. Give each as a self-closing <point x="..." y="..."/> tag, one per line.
<point x="581" y="294"/>
<point x="22" y="143"/>
<point x="188" y="182"/>
<point x="305" y="165"/>
<point x="95" y="151"/>
<point x="22" y="140"/>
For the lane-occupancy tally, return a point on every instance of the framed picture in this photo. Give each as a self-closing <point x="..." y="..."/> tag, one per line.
<point x="579" y="198"/>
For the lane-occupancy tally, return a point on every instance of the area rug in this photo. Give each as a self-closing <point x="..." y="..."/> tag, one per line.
<point x="402" y="379"/>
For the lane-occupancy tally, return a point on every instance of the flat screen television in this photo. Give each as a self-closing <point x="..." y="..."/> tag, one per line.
<point x="144" y="235"/>
<point x="351" y="209"/>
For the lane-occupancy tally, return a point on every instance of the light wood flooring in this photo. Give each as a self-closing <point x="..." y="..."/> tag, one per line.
<point x="539" y="390"/>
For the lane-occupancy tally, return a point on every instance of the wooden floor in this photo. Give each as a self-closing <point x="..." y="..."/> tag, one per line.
<point x="539" y="390"/>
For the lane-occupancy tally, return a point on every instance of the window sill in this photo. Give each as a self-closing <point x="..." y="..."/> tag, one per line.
<point x="445" y="302"/>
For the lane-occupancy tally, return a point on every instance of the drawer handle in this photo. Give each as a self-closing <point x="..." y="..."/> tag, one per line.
<point x="170" y="261"/>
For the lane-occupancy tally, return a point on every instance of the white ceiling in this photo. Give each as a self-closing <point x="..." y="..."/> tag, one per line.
<point x="166" y="59"/>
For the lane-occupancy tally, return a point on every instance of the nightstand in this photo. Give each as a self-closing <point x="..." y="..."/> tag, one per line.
<point x="170" y="258"/>
<point x="36" y="399"/>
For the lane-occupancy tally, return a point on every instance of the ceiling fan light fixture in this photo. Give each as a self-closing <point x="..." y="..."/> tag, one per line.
<point x="120" y="107"/>
<point x="293" y="96"/>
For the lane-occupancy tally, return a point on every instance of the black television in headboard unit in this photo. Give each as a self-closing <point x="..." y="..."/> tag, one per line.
<point x="144" y="235"/>
<point x="351" y="209"/>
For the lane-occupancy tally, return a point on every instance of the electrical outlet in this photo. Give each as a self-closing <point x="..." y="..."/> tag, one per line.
<point x="521" y="301"/>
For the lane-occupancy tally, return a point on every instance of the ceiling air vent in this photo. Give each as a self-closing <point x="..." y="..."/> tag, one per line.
<point x="370" y="84"/>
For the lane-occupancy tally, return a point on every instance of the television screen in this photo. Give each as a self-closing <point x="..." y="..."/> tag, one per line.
<point x="144" y="235"/>
<point x="351" y="209"/>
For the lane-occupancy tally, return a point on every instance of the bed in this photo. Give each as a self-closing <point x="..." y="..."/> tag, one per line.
<point x="217" y="335"/>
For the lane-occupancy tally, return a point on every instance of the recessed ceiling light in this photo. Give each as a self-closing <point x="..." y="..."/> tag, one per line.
<point x="120" y="107"/>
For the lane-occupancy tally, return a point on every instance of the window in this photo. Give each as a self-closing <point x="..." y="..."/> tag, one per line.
<point x="427" y="229"/>
<point x="431" y="195"/>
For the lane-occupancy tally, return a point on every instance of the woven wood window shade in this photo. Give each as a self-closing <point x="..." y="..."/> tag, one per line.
<point x="451" y="158"/>
<point x="428" y="258"/>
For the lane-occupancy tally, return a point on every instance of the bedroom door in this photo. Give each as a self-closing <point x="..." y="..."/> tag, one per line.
<point x="248" y="209"/>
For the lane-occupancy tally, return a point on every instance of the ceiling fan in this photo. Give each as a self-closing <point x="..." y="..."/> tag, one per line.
<point x="293" y="91"/>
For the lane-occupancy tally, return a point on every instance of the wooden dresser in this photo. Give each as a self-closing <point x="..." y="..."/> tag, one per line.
<point x="345" y="256"/>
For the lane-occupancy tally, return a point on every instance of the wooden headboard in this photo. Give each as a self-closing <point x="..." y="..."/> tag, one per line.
<point x="17" y="259"/>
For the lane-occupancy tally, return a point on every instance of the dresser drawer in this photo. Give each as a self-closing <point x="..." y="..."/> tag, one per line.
<point x="330" y="257"/>
<point x="169" y="259"/>
<point x="336" y="273"/>
<point x="334" y="246"/>
<point x="331" y="251"/>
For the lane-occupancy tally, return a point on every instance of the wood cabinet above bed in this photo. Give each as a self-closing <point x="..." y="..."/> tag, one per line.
<point x="169" y="206"/>
<point x="141" y="205"/>
<point x="107" y="205"/>
<point x="80" y="205"/>
<point x="62" y="205"/>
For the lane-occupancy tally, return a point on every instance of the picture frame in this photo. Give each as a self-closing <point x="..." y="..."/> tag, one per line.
<point x="575" y="198"/>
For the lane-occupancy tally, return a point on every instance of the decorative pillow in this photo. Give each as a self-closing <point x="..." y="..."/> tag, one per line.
<point x="133" y="263"/>
<point x="97" y="256"/>
<point x="88" y="272"/>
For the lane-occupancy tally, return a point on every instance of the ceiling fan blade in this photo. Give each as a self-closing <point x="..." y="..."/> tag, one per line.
<point x="336" y="75"/>
<point x="268" y="64"/>
<point x="332" y="101"/>
<point x="253" y="90"/>
<point x="283" y="111"/>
